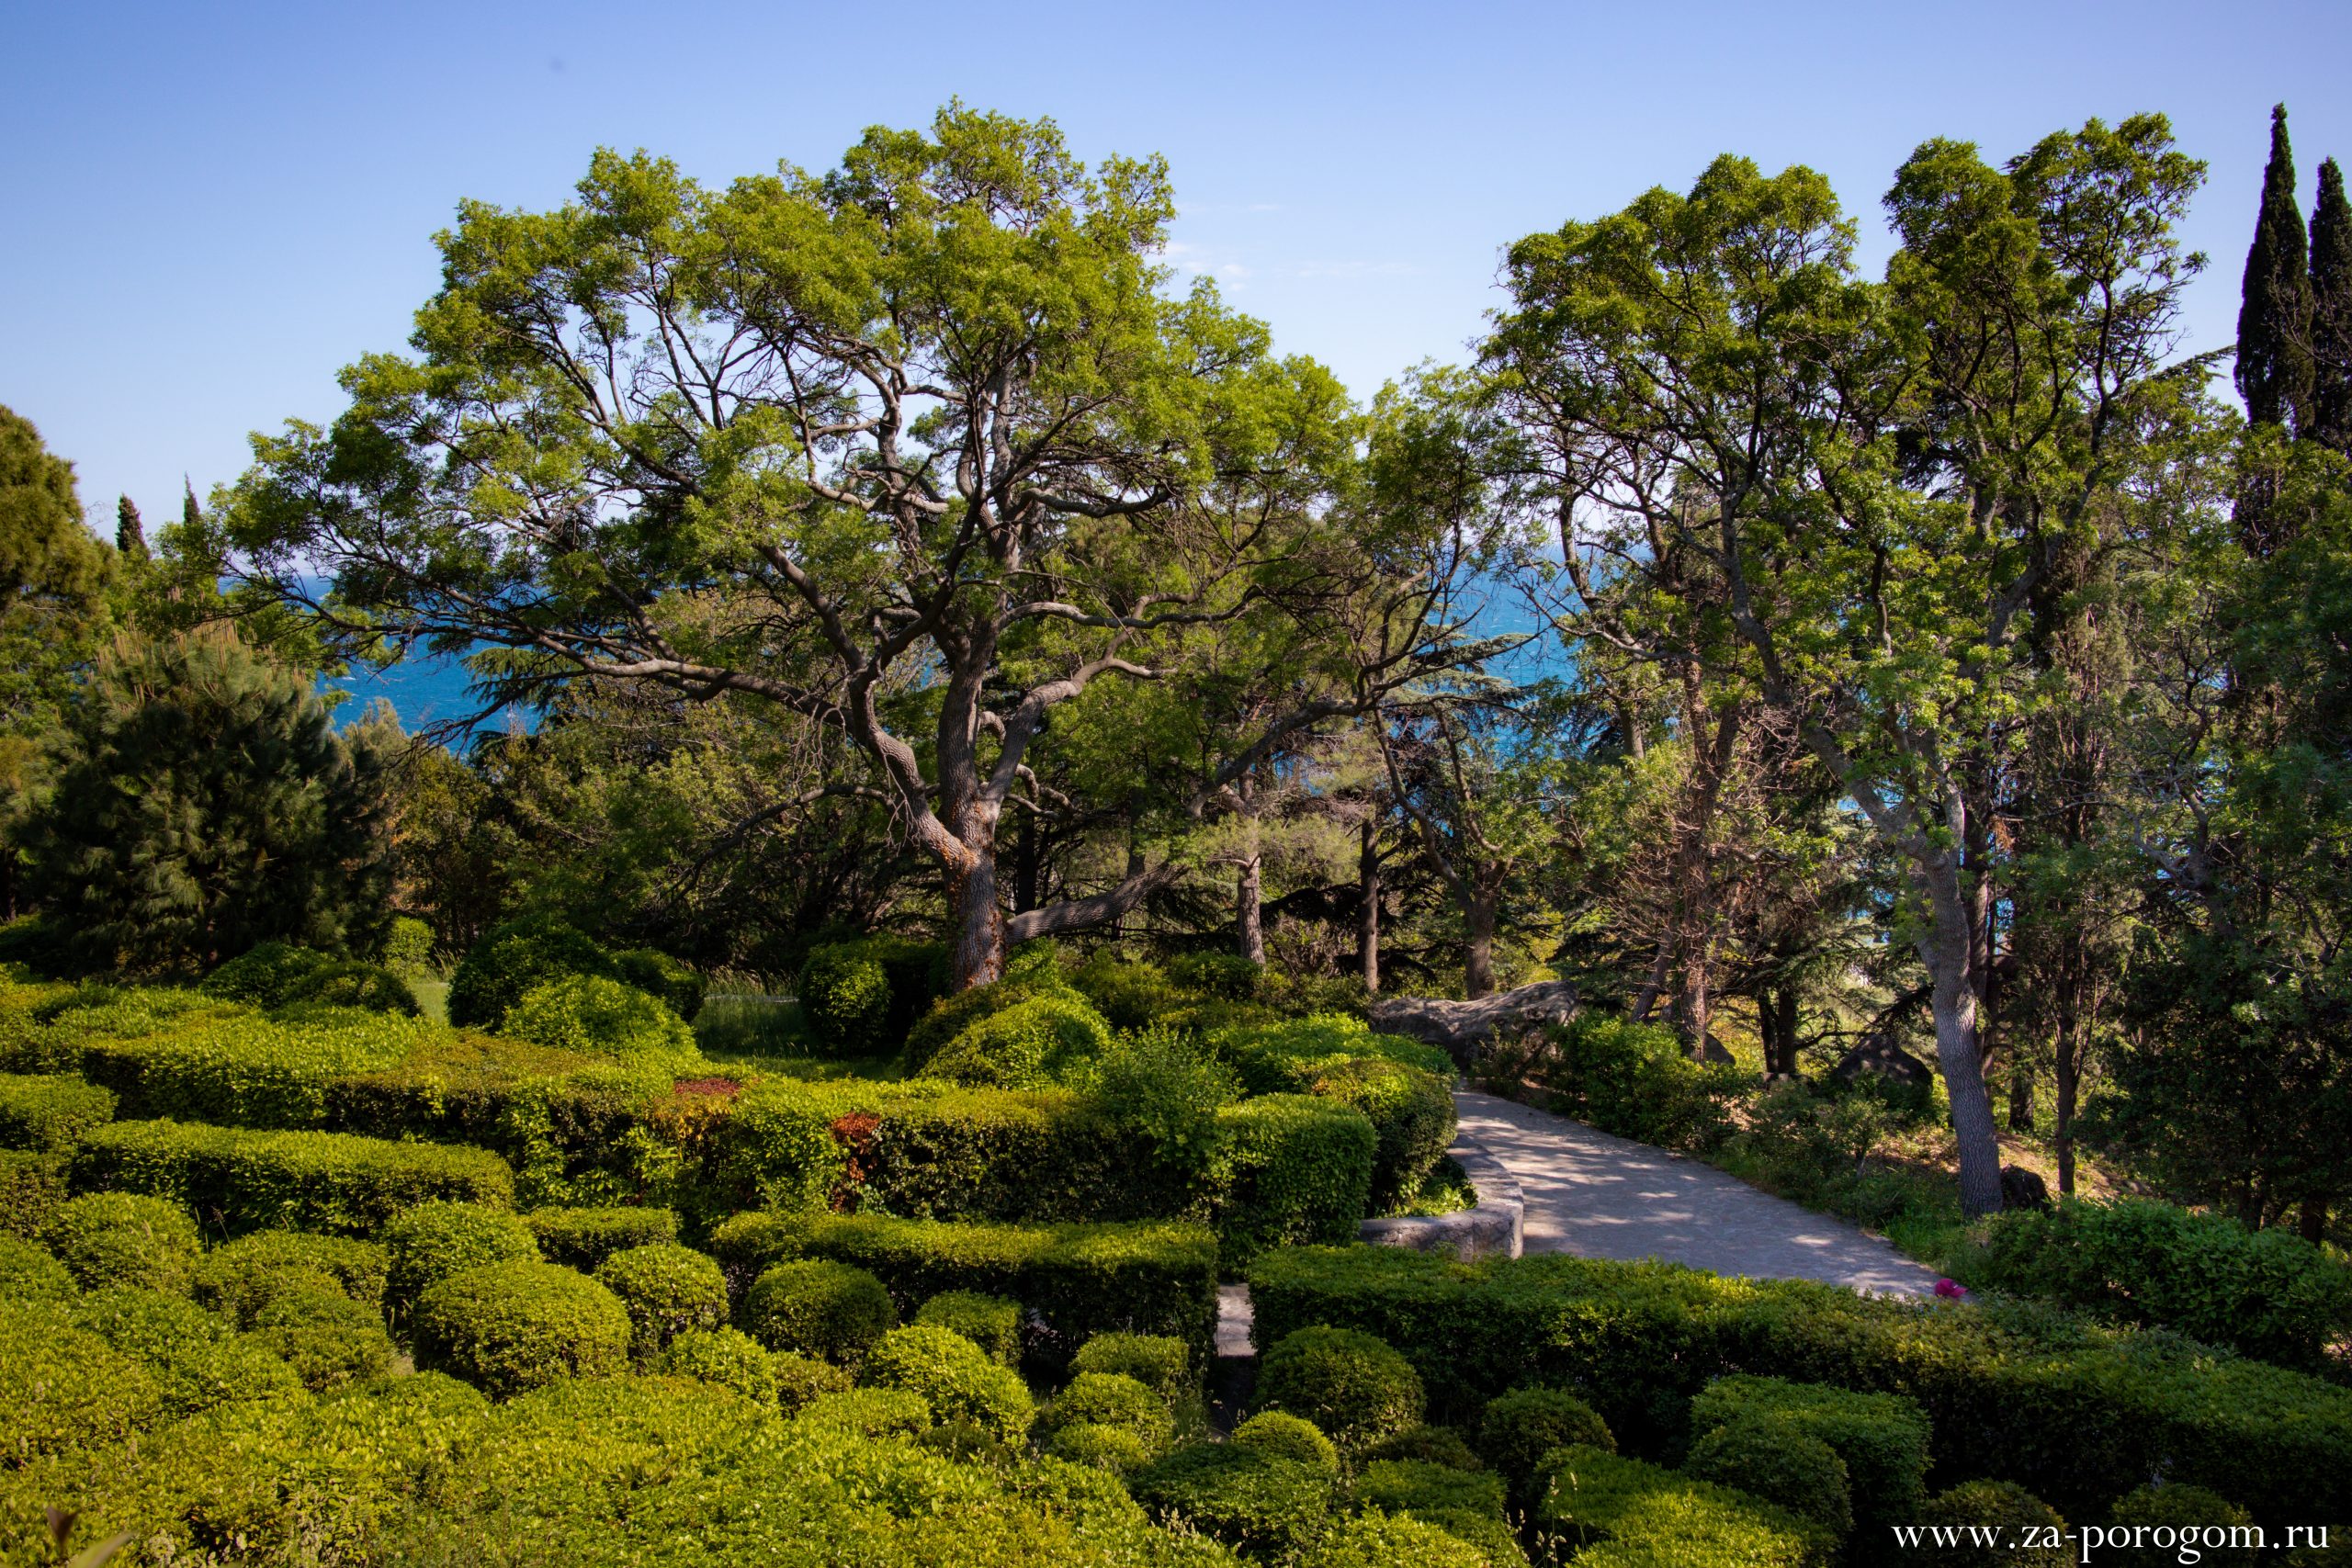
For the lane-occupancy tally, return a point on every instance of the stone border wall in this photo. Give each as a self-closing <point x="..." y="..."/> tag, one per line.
<point x="1493" y="1229"/>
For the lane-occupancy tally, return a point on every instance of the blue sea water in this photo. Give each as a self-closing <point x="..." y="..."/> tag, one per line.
<point x="423" y="690"/>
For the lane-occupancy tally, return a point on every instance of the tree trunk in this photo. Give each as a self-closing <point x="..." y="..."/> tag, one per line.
<point x="1776" y="1010"/>
<point x="1368" y="893"/>
<point x="979" y="924"/>
<point x="2313" y="1227"/>
<point x="1694" y="1008"/>
<point x="1478" y="957"/>
<point x="1249" y="913"/>
<point x="1026" y="861"/>
<point x="1945" y="949"/>
<point x="2063" y="1134"/>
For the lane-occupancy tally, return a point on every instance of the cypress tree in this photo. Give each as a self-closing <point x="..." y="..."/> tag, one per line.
<point x="2274" y="368"/>
<point x="2331" y="297"/>
<point x="129" y="536"/>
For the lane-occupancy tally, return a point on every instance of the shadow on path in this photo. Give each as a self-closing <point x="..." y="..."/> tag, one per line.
<point x="1597" y="1196"/>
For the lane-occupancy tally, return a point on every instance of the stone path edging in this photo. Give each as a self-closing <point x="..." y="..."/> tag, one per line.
<point x="1493" y="1229"/>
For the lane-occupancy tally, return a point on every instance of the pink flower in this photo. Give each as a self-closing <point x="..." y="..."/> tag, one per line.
<point x="1949" y="1290"/>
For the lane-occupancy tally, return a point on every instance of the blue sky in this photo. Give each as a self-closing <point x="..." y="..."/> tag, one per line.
<point x="211" y="208"/>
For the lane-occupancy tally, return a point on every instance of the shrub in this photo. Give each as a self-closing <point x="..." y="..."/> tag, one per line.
<point x="1432" y="1445"/>
<point x="31" y="1272"/>
<point x="49" y="1112"/>
<point x="239" y="1278"/>
<point x="1129" y="995"/>
<point x="195" y="1363"/>
<point x="1112" y="1399"/>
<point x="831" y="1310"/>
<point x="2174" y="1517"/>
<point x="1115" y="1449"/>
<point x="1625" y="1513"/>
<point x="659" y="975"/>
<point x="31" y="1188"/>
<point x="319" y="1181"/>
<point x="2024" y="1521"/>
<point x="955" y="1378"/>
<point x="1154" y="1278"/>
<point x="597" y="1017"/>
<point x="951" y="1015"/>
<point x="1027" y="1045"/>
<point x="1880" y="1438"/>
<point x="1162" y="1362"/>
<point x="862" y="997"/>
<point x="435" y="1241"/>
<point x="1296" y="1169"/>
<point x="583" y="1239"/>
<point x="63" y="1388"/>
<point x="408" y="947"/>
<point x="990" y="1322"/>
<point x="728" y="1357"/>
<point x="123" y="1238"/>
<point x="1287" y="1055"/>
<point x="1379" y="1540"/>
<point x="1465" y="1503"/>
<point x="264" y="975"/>
<point x="349" y="983"/>
<point x="1635" y="1080"/>
<point x="1253" y="1500"/>
<point x="666" y="1290"/>
<point x="801" y="1380"/>
<point x="510" y="1328"/>
<point x="1412" y="1117"/>
<point x="1352" y="1385"/>
<point x="1292" y="1438"/>
<point x="870" y="1413"/>
<point x="1775" y="1459"/>
<point x="1162" y="1090"/>
<point x="1520" y="1427"/>
<point x="511" y="959"/>
<point x="330" y="1341"/>
<point x="1226" y="975"/>
<point x="2267" y="1294"/>
<point x="237" y="1067"/>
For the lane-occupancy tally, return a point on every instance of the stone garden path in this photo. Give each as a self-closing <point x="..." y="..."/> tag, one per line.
<point x="1598" y="1196"/>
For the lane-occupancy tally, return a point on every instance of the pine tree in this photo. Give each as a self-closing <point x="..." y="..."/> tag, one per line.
<point x="129" y="535"/>
<point x="2274" y="366"/>
<point x="2331" y="308"/>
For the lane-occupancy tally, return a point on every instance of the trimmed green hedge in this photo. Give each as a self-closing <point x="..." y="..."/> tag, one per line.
<point x="240" y="1278"/>
<point x="431" y="1242"/>
<point x="50" y="1112"/>
<point x="513" y="957"/>
<point x="667" y="1290"/>
<point x="1149" y="1276"/>
<point x="835" y="1312"/>
<point x="1287" y="1055"/>
<point x="1295" y="1168"/>
<point x="1625" y="1513"/>
<point x="1355" y="1388"/>
<point x="1256" y="1502"/>
<point x="1027" y="1045"/>
<point x="990" y="1322"/>
<point x="861" y="997"/>
<point x="586" y="1237"/>
<point x="960" y="1381"/>
<point x="2079" y="1413"/>
<point x="320" y="1182"/>
<point x="125" y="1238"/>
<point x="1881" y="1438"/>
<point x="511" y="1327"/>
<point x="1411" y="1112"/>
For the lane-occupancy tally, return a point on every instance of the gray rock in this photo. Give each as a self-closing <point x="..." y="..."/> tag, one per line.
<point x="1459" y="1028"/>
<point x="1881" y="1057"/>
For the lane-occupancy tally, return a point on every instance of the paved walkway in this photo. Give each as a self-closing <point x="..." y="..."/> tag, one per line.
<point x="1598" y="1196"/>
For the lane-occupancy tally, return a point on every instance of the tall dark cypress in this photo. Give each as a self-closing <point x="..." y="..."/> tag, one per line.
<point x="2274" y="366"/>
<point x="129" y="536"/>
<point x="2331" y="297"/>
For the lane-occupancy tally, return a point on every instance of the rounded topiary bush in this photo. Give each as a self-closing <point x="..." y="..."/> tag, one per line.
<point x="196" y="1361"/>
<point x="1777" y="1460"/>
<point x="861" y="997"/>
<point x="349" y="983"/>
<point x="1384" y="1540"/>
<point x="990" y="1322"/>
<point x="1227" y="977"/>
<point x="1130" y="995"/>
<point x="63" y="1388"/>
<point x="1520" y="1427"/>
<point x="1255" y="1502"/>
<point x="330" y="1341"/>
<point x="264" y="975"/>
<point x="512" y="958"/>
<point x="1432" y="1445"/>
<point x="1115" y="1449"/>
<point x="586" y="1237"/>
<point x="31" y="1272"/>
<point x="659" y="975"/>
<point x="951" y="1015"/>
<point x="510" y="1328"/>
<point x="1354" y="1386"/>
<point x="956" y="1377"/>
<point x="2008" y="1508"/>
<point x="1410" y="1111"/>
<point x="408" y="947"/>
<point x="728" y="1357"/>
<point x="870" y="1413"/>
<point x="432" y="1241"/>
<point x="239" y="1278"/>
<point x="666" y="1290"/>
<point x="1112" y="1399"/>
<point x="1291" y="1437"/>
<point x="597" y="1017"/>
<point x="2173" y="1515"/>
<point x="829" y="1309"/>
<point x="801" y="1380"/>
<point x="1027" y="1045"/>
<point x="1162" y="1362"/>
<point x="1466" y="1504"/>
<point x="125" y="1238"/>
